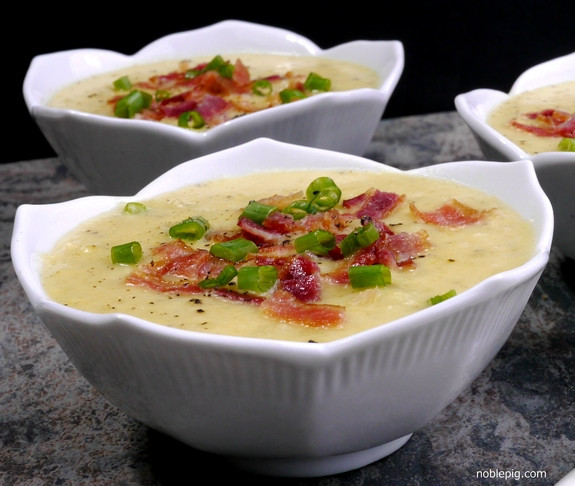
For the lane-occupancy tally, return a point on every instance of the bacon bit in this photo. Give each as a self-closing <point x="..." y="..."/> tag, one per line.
<point x="297" y="274"/>
<point x="453" y="213"/>
<point x="301" y="278"/>
<point x="373" y="203"/>
<point x="258" y="233"/>
<point x="178" y="268"/>
<point x="282" y="223"/>
<point x="176" y="259"/>
<point x="241" y="76"/>
<point x="406" y="247"/>
<point x="397" y="251"/>
<point x="332" y="221"/>
<point x="284" y="306"/>
<point x="549" y="123"/>
<point x="213" y="109"/>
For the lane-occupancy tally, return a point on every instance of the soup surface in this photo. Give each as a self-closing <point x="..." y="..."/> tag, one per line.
<point x="537" y="120"/>
<point x="249" y="83"/>
<point x="435" y="236"/>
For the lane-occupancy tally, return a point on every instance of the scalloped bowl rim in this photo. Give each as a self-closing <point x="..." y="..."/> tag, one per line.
<point x="473" y="106"/>
<point x="25" y="264"/>
<point x="283" y="42"/>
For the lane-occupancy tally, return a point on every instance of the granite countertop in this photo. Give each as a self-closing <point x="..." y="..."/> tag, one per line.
<point x="516" y="419"/>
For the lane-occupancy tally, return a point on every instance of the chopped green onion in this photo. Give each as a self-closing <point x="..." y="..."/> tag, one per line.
<point x="367" y="235"/>
<point x="224" y="278"/>
<point x="262" y="87"/>
<point x="298" y="209"/>
<point x="161" y="94"/>
<point x="366" y="276"/>
<point x="134" y="208"/>
<point x="133" y="103"/>
<point x="440" y="298"/>
<point x="323" y="194"/>
<point x="192" y="73"/>
<point x="191" y="117"/>
<point x="567" y="145"/>
<point x="123" y="84"/>
<point x="289" y="95"/>
<point x="234" y="250"/>
<point x="258" y="212"/>
<point x="190" y="229"/>
<point x="318" y="185"/>
<point x="325" y="200"/>
<point x="257" y="278"/>
<point x="127" y="253"/>
<point x="214" y="64"/>
<point x="315" y="82"/>
<point x="226" y="70"/>
<point x="319" y="242"/>
<point x="360" y="238"/>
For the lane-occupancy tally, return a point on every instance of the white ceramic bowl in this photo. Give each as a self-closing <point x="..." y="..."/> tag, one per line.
<point x="556" y="170"/>
<point x="287" y="408"/>
<point x="118" y="156"/>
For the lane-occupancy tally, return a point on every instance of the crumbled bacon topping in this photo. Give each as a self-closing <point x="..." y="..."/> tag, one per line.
<point x="178" y="267"/>
<point x="548" y="123"/>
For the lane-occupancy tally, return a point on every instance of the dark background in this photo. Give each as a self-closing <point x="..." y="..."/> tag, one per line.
<point x="450" y="47"/>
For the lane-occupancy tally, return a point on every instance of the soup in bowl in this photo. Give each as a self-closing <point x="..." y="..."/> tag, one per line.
<point x="534" y="121"/>
<point x="305" y="396"/>
<point x="115" y="147"/>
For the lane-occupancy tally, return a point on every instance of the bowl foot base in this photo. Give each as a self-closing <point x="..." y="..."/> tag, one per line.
<point x="318" y="466"/>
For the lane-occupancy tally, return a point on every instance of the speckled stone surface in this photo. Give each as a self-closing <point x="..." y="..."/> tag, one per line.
<point x="516" y="419"/>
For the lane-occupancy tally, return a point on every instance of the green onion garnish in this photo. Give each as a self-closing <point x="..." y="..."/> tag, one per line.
<point x="161" y="94"/>
<point x="224" y="278"/>
<point x="192" y="73"/>
<point x="298" y="209"/>
<point x="133" y="103"/>
<point x="262" y="87"/>
<point x="224" y="68"/>
<point x="134" y="208"/>
<point x="366" y="276"/>
<point x="315" y="82"/>
<point x="123" y="84"/>
<point x="289" y="95"/>
<point x="234" y="250"/>
<point x="323" y="194"/>
<point x="258" y="212"/>
<point x="127" y="253"/>
<point x="214" y="64"/>
<point x="567" y="145"/>
<point x="358" y="239"/>
<point x="318" y="242"/>
<point x="257" y="278"/>
<point x="440" y="298"/>
<point x="190" y="229"/>
<point x="191" y="119"/>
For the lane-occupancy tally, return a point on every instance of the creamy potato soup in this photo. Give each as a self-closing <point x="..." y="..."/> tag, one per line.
<point x="433" y="238"/>
<point x="218" y="88"/>
<point x="537" y="120"/>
